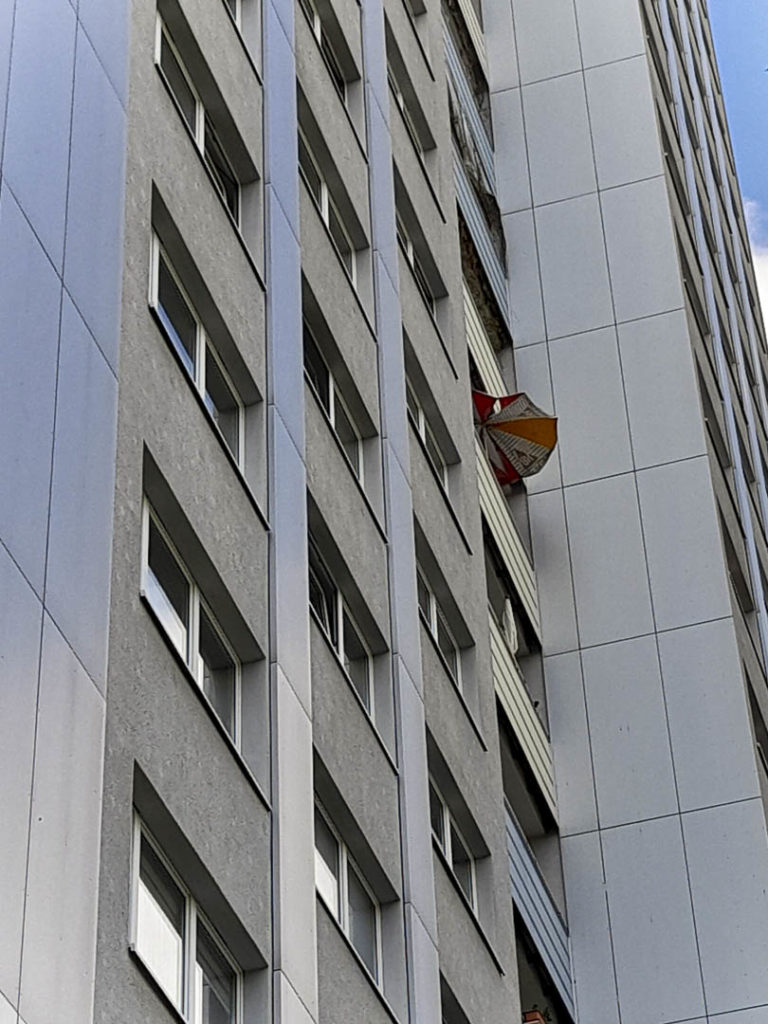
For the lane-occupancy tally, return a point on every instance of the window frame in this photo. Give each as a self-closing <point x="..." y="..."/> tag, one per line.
<point x="448" y="822"/>
<point x="203" y="346"/>
<point x="417" y="267"/>
<point x="327" y="50"/>
<point x="341" y="914"/>
<point x="237" y="14"/>
<point x="403" y="106"/>
<point x="431" y="618"/>
<point x="192" y="914"/>
<point x="423" y="428"/>
<point x="334" y="396"/>
<point x="195" y="602"/>
<point x="325" y="204"/>
<point x="339" y="611"/>
<point x="203" y="127"/>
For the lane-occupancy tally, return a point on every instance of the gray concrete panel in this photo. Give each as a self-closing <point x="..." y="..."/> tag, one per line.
<point x="20" y="626"/>
<point x="280" y="145"/>
<point x="37" y="139"/>
<point x="29" y="309"/>
<point x="109" y="30"/>
<point x="542" y="53"/>
<point x="609" y="31"/>
<point x="92" y="256"/>
<point x="6" y="36"/>
<point x="61" y="903"/>
<point x="346" y="994"/>
<point x="513" y="186"/>
<point x="551" y="553"/>
<point x="82" y="494"/>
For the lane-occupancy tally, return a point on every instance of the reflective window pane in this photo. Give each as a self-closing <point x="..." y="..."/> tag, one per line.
<point x="411" y="402"/>
<point x="424" y="597"/>
<point x="317" y="371"/>
<point x="326" y="864"/>
<point x="322" y="594"/>
<point x="222" y="402"/>
<point x="160" y="923"/>
<point x="462" y="863"/>
<point x="310" y="171"/>
<point x="446" y="645"/>
<point x="215" y="982"/>
<point x="217" y="672"/>
<point x="436" y="815"/>
<point x="221" y="169"/>
<point x="357" y="661"/>
<point x="167" y="589"/>
<point x="176" y="316"/>
<point x="362" y="921"/>
<point x="347" y="434"/>
<point x="177" y="81"/>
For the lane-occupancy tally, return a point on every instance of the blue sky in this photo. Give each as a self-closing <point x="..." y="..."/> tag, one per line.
<point x="740" y="28"/>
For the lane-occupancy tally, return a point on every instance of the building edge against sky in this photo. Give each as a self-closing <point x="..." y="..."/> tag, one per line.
<point x="302" y="717"/>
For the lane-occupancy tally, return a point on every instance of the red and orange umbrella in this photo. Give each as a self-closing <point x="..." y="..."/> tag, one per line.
<point x="517" y="436"/>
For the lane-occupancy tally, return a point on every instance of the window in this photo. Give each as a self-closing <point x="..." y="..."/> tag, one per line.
<point x="329" y="396"/>
<point x="317" y="186"/>
<point x="437" y="624"/>
<point x="326" y="601"/>
<point x="189" y="623"/>
<point x="453" y="844"/>
<point x="421" y="424"/>
<point x="177" y="945"/>
<point x="233" y="6"/>
<point x="345" y="893"/>
<point x="404" y="106"/>
<point x="188" y="337"/>
<point x="416" y="265"/>
<point x="332" y="61"/>
<point x="198" y="121"/>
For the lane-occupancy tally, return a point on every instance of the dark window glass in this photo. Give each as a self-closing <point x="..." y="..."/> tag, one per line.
<point x="178" y="82"/>
<point x="176" y="316"/>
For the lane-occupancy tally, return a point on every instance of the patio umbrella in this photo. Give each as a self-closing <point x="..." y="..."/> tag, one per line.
<point x="517" y="436"/>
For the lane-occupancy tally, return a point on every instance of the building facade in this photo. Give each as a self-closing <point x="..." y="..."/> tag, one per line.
<point x="303" y="718"/>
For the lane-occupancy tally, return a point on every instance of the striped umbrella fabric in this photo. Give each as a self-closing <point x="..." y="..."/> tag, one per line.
<point x="517" y="436"/>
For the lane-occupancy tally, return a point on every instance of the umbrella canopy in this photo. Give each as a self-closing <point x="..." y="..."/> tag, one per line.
<point x="517" y="436"/>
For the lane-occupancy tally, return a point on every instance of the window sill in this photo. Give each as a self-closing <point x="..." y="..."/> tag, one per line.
<point x="214" y="426"/>
<point x="469" y="908"/>
<point x="235" y="226"/>
<point x="379" y="738"/>
<point x="376" y="521"/>
<point x="441" y="487"/>
<point x="419" y="160"/>
<point x="454" y="684"/>
<point x="361" y="963"/>
<point x="207" y="706"/>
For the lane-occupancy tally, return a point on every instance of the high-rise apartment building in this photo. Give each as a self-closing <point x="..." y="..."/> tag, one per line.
<point x="303" y="717"/>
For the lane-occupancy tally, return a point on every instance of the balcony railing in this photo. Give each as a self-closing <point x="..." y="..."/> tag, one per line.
<point x="494" y="507"/>
<point x="537" y="909"/>
<point x="466" y="98"/>
<point x="481" y="237"/>
<point x="518" y="707"/>
<point x="481" y="348"/>
<point x="475" y="30"/>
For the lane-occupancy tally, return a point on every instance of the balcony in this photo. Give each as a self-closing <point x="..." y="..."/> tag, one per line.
<point x="518" y="707"/>
<point x="481" y="348"/>
<point x="481" y="238"/>
<point x="465" y="97"/>
<point x="494" y="507"/>
<point x="538" y="911"/>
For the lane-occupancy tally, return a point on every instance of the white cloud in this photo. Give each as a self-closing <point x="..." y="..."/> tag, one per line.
<point x="757" y="228"/>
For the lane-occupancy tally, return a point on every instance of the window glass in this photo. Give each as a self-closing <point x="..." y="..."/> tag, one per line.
<point x="221" y="402"/>
<point x="215" y="982"/>
<point x="217" y="673"/>
<point x="232" y="5"/>
<point x="436" y="815"/>
<point x="167" y="589"/>
<point x="362" y="921"/>
<point x="411" y="402"/>
<point x="424" y="597"/>
<point x="326" y="864"/>
<point x="176" y="316"/>
<point x="446" y="644"/>
<point x="337" y="75"/>
<point x="316" y="369"/>
<point x="322" y="594"/>
<point x="462" y="863"/>
<point x="356" y="660"/>
<point x="222" y="171"/>
<point x="160" y="923"/>
<point x="310" y="172"/>
<point x="177" y="80"/>
<point x="435" y="455"/>
<point x="340" y="237"/>
<point x="347" y="434"/>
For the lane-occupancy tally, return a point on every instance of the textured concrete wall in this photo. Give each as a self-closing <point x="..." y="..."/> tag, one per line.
<point x="62" y="117"/>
